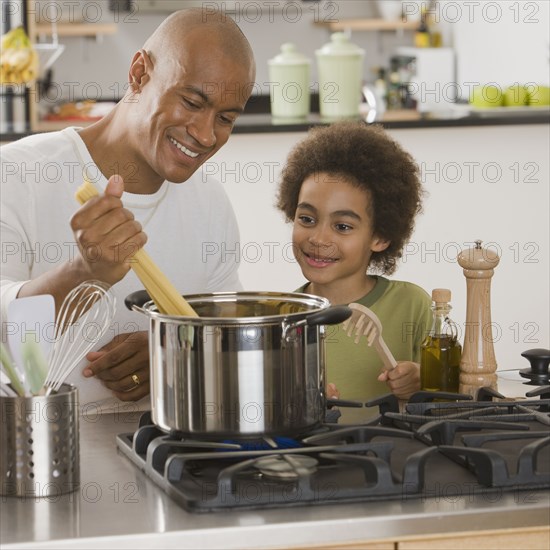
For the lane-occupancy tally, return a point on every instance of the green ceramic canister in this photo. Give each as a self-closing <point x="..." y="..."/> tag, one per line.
<point x="340" y="68"/>
<point x="289" y="74"/>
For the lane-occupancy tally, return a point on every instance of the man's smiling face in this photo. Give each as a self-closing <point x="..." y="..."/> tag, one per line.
<point x="189" y="105"/>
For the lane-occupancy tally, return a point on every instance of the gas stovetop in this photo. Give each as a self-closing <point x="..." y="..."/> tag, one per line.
<point x="432" y="448"/>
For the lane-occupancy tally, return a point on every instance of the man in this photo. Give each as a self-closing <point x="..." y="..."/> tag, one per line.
<point x="187" y="86"/>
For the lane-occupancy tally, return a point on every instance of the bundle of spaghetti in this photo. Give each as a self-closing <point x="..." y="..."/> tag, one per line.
<point x="167" y="299"/>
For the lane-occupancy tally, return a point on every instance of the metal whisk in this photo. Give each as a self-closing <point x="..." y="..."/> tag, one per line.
<point x="85" y="315"/>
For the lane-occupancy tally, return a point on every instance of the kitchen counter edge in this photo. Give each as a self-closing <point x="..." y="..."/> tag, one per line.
<point x="264" y="123"/>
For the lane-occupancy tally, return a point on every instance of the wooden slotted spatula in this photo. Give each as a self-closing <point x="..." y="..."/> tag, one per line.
<point x="364" y="322"/>
<point x="168" y="300"/>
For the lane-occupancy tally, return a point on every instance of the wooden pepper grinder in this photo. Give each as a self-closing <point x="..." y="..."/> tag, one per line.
<point x="478" y="364"/>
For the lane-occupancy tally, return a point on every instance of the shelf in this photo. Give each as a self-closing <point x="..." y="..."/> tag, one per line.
<point x="400" y="114"/>
<point x="76" y="29"/>
<point x="369" y="25"/>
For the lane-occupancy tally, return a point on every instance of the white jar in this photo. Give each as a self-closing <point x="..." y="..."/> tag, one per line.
<point x="289" y="74"/>
<point x="390" y="10"/>
<point x="340" y="68"/>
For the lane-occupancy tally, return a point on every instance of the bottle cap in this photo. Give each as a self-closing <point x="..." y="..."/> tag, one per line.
<point x="441" y="295"/>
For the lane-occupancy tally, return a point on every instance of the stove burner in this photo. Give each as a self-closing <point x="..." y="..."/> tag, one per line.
<point x="265" y="443"/>
<point x="287" y="467"/>
<point x="428" y="448"/>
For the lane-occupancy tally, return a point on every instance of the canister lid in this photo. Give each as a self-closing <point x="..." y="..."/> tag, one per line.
<point x="289" y="56"/>
<point x="340" y="45"/>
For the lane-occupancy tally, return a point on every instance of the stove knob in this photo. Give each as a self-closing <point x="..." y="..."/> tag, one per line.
<point x="538" y="374"/>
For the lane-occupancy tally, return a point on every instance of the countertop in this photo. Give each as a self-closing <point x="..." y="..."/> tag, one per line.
<point x="255" y="122"/>
<point x="118" y="506"/>
<point x="265" y="123"/>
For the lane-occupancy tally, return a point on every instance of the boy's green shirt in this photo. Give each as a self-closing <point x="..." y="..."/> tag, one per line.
<point x="404" y="309"/>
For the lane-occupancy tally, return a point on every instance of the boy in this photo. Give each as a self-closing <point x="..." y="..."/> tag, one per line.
<point x="352" y="194"/>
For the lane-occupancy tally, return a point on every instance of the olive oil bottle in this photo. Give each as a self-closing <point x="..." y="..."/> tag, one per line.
<point x="441" y="350"/>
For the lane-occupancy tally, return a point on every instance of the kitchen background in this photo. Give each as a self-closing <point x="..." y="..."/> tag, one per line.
<point x="502" y="41"/>
<point x="488" y="182"/>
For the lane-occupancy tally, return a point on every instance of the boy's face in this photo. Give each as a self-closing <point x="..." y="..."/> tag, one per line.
<point x="332" y="235"/>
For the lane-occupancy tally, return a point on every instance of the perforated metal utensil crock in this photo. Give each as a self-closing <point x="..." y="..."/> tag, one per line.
<point x="39" y="451"/>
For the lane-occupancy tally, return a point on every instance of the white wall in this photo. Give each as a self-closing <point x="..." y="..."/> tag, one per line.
<point x="488" y="183"/>
<point x="500" y="41"/>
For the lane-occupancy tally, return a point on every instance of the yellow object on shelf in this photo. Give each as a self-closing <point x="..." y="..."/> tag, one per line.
<point x="168" y="300"/>
<point x="18" y="60"/>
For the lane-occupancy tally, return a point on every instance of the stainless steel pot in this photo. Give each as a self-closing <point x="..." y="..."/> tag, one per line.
<point x="252" y="363"/>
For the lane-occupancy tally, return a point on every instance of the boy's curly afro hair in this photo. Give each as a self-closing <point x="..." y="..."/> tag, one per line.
<point x="367" y="157"/>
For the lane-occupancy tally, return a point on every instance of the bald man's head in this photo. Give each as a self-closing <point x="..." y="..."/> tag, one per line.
<point x="188" y="86"/>
<point x="170" y="36"/>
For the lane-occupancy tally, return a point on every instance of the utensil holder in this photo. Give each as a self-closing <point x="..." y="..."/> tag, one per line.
<point x="39" y="452"/>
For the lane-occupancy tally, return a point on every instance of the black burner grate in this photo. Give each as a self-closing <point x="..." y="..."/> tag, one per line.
<point x="432" y="448"/>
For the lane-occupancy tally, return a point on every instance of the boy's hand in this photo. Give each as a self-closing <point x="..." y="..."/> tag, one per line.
<point x="403" y="380"/>
<point x="332" y="391"/>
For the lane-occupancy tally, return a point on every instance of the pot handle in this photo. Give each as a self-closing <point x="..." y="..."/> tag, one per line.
<point x="136" y="301"/>
<point x="330" y="316"/>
